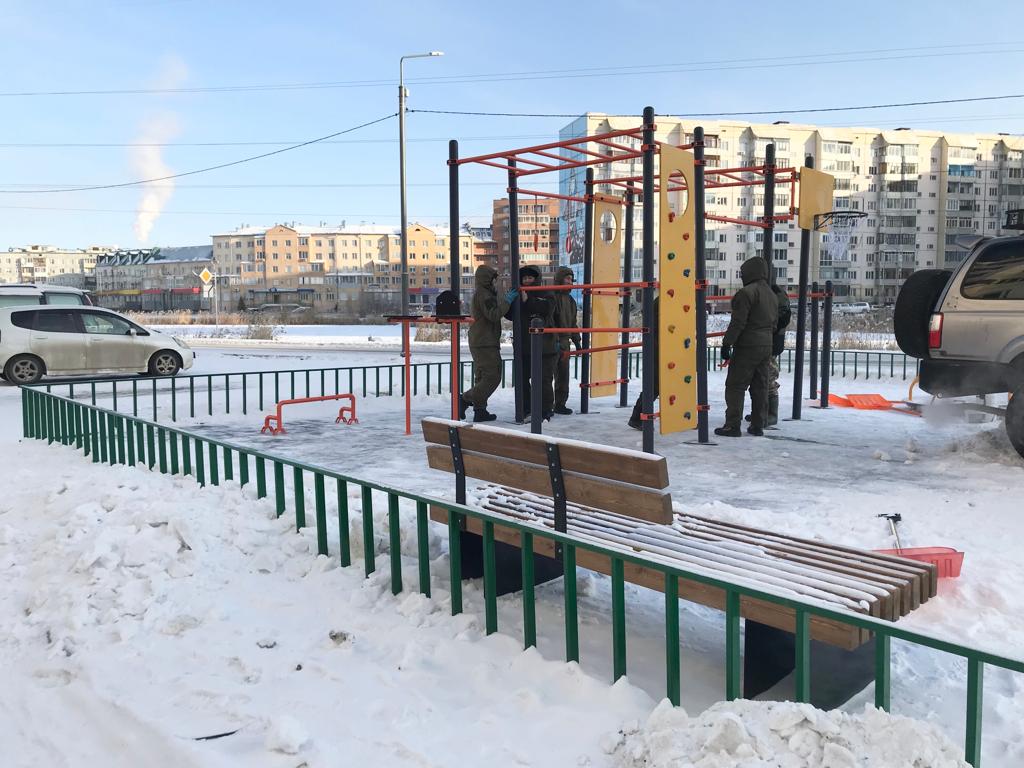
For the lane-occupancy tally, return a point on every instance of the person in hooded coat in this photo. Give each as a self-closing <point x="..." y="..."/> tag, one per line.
<point x="747" y="346"/>
<point x="566" y="311"/>
<point x="540" y="305"/>
<point x="778" y="346"/>
<point x="488" y="307"/>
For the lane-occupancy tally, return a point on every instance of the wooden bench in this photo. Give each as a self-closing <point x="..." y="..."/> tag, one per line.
<point x="621" y="500"/>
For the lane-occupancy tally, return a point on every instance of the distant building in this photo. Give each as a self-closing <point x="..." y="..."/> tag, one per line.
<point x="153" y="279"/>
<point x="486" y="252"/>
<point x="47" y="263"/>
<point x="538" y="234"/>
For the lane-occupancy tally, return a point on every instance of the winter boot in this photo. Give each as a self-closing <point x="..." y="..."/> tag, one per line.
<point x="755" y="431"/>
<point x="728" y="432"/>
<point x="635" y="423"/>
<point x="562" y="410"/>
<point x="773" y="410"/>
<point x="463" y="407"/>
<point x="482" y="414"/>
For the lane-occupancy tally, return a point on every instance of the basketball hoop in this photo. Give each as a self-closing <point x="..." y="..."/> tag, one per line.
<point x="840" y="226"/>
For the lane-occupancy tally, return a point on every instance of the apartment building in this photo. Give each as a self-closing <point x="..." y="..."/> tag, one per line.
<point x="538" y="234"/>
<point x="48" y="263"/>
<point x="922" y="191"/>
<point x="344" y="268"/>
<point x="154" y="279"/>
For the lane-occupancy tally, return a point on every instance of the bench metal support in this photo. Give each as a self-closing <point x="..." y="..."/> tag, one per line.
<point x="458" y="465"/>
<point x="557" y="492"/>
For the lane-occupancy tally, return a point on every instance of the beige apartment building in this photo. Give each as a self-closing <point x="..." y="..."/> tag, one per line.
<point x="922" y="191"/>
<point x="352" y="269"/>
<point x="538" y="234"/>
<point x="48" y="263"/>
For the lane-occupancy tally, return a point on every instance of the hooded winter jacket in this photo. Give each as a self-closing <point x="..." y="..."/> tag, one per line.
<point x="487" y="309"/>
<point x="534" y="304"/>
<point x="566" y="311"/>
<point x="755" y="310"/>
<point x="785" y="315"/>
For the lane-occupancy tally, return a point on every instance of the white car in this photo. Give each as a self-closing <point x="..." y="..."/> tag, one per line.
<point x="49" y="340"/>
<point x="20" y="294"/>
<point x="852" y="308"/>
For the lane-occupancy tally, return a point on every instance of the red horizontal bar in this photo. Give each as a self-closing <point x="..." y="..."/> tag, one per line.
<point x="553" y="145"/>
<point x="602" y="349"/>
<point x="552" y="195"/>
<point x="588" y="330"/>
<point x="729" y="220"/>
<point x="603" y="383"/>
<point x="574" y="286"/>
<point x="583" y="163"/>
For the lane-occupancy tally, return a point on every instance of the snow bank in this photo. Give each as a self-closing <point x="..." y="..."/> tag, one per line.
<point x="768" y="734"/>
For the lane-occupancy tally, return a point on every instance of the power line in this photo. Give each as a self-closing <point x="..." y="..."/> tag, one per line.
<point x="833" y="57"/>
<point x="328" y="185"/>
<point x="82" y="145"/>
<point x="280" y="214"/>
<point x="203" y="170"/>
<point x="735" y="114"/>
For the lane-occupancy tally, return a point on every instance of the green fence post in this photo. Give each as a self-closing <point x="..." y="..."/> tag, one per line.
<point x="618" y="619"/>
<point x="455" y="559"/>
<point x="394" y="544"/>
<point x="129" y="440"/>
<point x="200" y="463"/>
<point x="672" y="687"/>
<point x="883" y="671"/>
<point x="803" y="656"/>
<point x="111" y="440"/>
<point x="214" y="469"/>
<point x="227" y="393"/>
<point x="572" y="629"/>
<point x="79" y="413"/>
<point x="135" y="397"/>
<point x="192" y="397"/>
<point x="423" y="547"/>
<point x="260" y="391"/>
<point x="174" y="400"/>
<point x="162" y="448"/>
<point x="321" y="513"/>
<point x="150" y="446"/>
<point x="113" y="394"/>
<point x="209" y="395"/>
<point x="140" y="446"/>
<point x="243" y="469"/>
<point x="490" y="581"/>
<point x="367" y="512"/>
<point x="101" y="419"/>
<point x="25" y="431"/>
<point x="154" y="400"/>
<point x="343" y="533"/>
<point x="186" y="456"/>
<point x="279" y="487"/>
<point x="174" y="453"/>
<point x="229" y="465"/>
<point x="245" y="394"/>
<point x="529" y="601"/>
<point x="299" y="494"/>
<point x="975" y="700"/>
<point x="261" y="478"/>
<point x="119" y="429"/>
<point x="733" y="667"/>
<point x="94" y="422"/>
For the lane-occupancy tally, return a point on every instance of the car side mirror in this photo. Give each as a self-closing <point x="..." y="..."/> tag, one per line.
<point x="132" y="332"/>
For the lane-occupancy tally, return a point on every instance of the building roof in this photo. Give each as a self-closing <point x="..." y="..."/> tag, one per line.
<point x="186" y="253"/>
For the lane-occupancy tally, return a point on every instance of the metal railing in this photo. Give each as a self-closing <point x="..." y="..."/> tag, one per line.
<point x="115" y="438"/>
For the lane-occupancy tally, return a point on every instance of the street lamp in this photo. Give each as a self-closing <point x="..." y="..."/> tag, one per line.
<point x="401" y="163"/>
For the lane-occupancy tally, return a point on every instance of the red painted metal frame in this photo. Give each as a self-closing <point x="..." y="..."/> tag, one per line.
<point x="587" y="286"/>
<point x="274" y="424"/>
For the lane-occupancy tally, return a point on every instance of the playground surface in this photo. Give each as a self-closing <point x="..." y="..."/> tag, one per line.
<point x="168" y="661"/>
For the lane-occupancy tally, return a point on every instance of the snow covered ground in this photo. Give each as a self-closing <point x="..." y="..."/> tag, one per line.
<point x="141" y="612"/>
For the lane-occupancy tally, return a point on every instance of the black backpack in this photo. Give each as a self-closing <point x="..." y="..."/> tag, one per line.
<point x="447" y="304"/>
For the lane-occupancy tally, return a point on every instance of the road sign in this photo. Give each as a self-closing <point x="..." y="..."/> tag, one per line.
<point x="206" y="276"/>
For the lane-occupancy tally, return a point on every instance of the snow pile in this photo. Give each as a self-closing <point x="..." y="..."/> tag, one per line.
<point x="768" y="734"/>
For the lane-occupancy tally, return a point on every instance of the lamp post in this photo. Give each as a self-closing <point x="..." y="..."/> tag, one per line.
<point x="401" y="163"/>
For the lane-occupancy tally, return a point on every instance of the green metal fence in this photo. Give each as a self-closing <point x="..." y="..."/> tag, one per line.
<point x="115" y="438"/>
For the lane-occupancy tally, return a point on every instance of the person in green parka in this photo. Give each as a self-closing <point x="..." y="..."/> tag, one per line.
<point x="566" y="311"/>
<point x="488" y="308"/>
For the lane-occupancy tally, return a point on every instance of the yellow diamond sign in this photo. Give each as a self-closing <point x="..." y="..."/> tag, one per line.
<point x="206" y="276"/>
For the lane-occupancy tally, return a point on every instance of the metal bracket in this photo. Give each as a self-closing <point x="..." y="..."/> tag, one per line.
<point x="557" y="492"/>
<point x="458" y="465"/>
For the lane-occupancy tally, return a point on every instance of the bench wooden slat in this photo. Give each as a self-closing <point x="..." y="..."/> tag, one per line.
<point x="599" y="461"/>
<point x="624" y="499"/>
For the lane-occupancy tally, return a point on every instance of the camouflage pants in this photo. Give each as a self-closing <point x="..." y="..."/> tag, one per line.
<point x="773" y="377"/>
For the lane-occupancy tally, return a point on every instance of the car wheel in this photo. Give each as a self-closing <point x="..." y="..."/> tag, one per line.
<point x="24" y="369"/>
<point x="1015" y="419"/>
<point x="164" y="363"/>
<point x="914" y="307"/>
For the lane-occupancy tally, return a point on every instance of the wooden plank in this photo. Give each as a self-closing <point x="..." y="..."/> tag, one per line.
<point x="597" y="460"/>
<point x="625" y="500"/>
<point x="780" y="617"/>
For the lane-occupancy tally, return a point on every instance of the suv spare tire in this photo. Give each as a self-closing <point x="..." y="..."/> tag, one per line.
<point x="1015" y="419"/>
<point x="914" y="307"/>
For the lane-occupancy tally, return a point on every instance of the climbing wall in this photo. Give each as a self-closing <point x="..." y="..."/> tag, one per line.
<point x="677" y="321"/>
<point x="605" y="305"/>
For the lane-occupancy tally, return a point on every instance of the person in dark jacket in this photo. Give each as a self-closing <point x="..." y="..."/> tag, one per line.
<point x="566" y="311"/>
<point x="535" y="304"/>
<point x="778" y="346"/>
<point x="488" y="307"/>
<point x="747" y="345"/>
<point x="634" y="420"/>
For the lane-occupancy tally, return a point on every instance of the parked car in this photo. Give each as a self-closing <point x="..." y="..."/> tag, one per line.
<point x="852" y="308"/>
<point x="20" y="294"/>
<point x="967" y="327"/>
<point x="67" y="340"/>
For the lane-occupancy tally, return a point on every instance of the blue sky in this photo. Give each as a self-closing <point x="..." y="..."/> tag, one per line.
<point x="731" y="58"/>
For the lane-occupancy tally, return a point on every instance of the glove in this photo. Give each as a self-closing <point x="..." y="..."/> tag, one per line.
<point x="511" y="296"/>
<point x="726" y="352"/>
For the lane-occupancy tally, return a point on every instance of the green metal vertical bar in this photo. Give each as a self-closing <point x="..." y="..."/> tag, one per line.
<point x="174" y="400"/>
<point x="733" y="667"/>
<point x="140" y="443"/>
<point x="883" y="671"/>
<point x="351" y="388"/>
<point x="322" y="384"/>
<point x="25" y="429"/>
<point x="227" y="393"/>
<point x="277" y="387"/>
<point x="279" y="487"/>
<point x="367" y="512"/>
<point x="803" y="656"/>
<point x="455" y="559"/>
<point x="200" y="463"/>
<point x="618" y="619"/>
<point x="95" y="432"/>
<point x="243" y="469"/>
<point x="76" y="424"/>
<point x="321" y="513"/>
<point x="391" y="381"/>
<point x="192" y="396"/>
<point x="150" y="446"/>
<point x="104" y="445"/>
<point x="214" y="469"/>
<point x="229" y="464"/>
<point x="162" y="446"/>
<point x="174" y="453"/>
<point x="291" y="379"/>
<point x="415" y="380"/>
<point x="423" y="547"/>
<point x="245" y="395"/>
<point x="490" y="581"/>
<point x="364" y="380"/>
<point x="261" y="478"/>
<point x="129" y="440"/>
<point x="119" y="428"/>
<point x="209" y="395"/>
<point x="672" y="687"/>
<point x="92" y="392"/>
<point x="337" y="374"/>
<point x="307" y="383"/>
<point x="572" y="628"/>
<point x="260" y="395"/>
<point x="529" y="601"/>
<point x="975" y="700"/>
<point x="299" y="495"/>
<point x="113" y="395"/>
<point x="343" y="536"/>
<point x="394" y="544"/>
<point x="48" y="415"/>
<point x="376" y="371"/>
<point x="111" y="440"/>
<point x="154" y="399"/>
<point x="186" y="456"/>
<point x="135" y="397"/>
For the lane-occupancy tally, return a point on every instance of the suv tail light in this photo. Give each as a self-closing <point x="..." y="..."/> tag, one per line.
<point x="935" y="331"/>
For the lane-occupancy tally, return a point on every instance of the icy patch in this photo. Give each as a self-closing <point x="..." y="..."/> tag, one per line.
<point x="745" y="734"/>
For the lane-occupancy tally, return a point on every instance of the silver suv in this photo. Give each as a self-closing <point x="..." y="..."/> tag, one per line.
<point x="967" y="326"/>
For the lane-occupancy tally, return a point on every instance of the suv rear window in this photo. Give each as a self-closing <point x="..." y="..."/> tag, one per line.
<point x="58" y="297"/>
<point x="997" y="273"/>
<point x="14" y="300"/>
